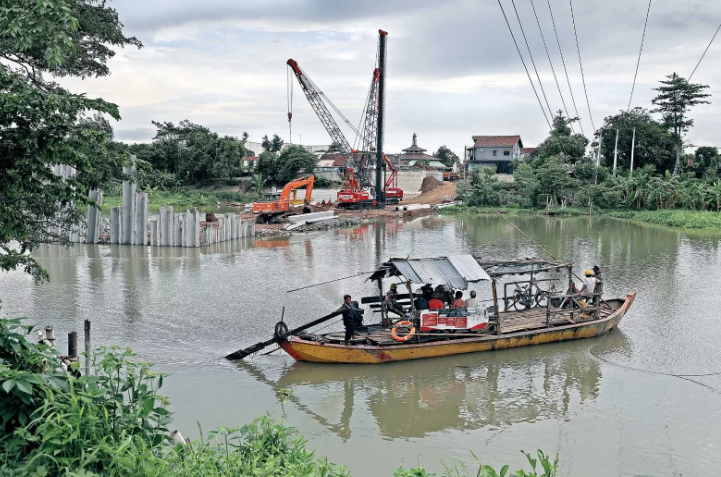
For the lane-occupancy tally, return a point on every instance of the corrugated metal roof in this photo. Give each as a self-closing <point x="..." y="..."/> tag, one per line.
<point x="436" y="271"/>
<point x="468" y="267"/>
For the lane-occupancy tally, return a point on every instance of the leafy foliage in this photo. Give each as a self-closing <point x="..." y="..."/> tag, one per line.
<point x="42" y="124"/>
<point x="548" y="469"/>
<point x="274" y="145"/>
<point x="286" y="166"/>
<point x="562" y="143"/>
<point x="446" y="156"/>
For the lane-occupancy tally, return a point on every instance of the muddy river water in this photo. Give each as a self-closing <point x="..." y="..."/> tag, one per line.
<point x="608" y="407"/>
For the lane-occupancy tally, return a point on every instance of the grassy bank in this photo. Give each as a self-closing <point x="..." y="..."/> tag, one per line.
<point x="182" y="199"/>
<point x="686" y="219"/>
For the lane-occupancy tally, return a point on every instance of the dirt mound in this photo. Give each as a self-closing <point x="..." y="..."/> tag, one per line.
<point x="444" y="192"/>
<point x="429" y="183"/>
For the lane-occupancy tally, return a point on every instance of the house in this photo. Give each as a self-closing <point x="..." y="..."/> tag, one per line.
<point x="527" y="151"/>
<point x="495" y="151"/>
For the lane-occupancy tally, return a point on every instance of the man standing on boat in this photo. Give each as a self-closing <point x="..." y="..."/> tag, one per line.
<point x="350" y="316"/>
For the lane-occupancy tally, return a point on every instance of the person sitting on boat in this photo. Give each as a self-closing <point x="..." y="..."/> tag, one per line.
<point x="421" y="302"/>
<point x="472" y="302"/>
<point x="391" y="301"/>
<point x="350" y="317"/>
<point x="459" y="302"/>
<point x="435" y="304"/>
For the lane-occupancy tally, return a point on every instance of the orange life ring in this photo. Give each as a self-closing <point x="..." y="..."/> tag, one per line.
<point x="406" y="337"/>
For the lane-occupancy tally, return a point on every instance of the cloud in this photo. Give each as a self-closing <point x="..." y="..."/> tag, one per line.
<point x="453" y="70"/>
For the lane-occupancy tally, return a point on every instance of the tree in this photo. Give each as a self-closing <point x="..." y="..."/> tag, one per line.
<point x="654" y="144"/>
<point x="674" y="100"/>
<point x="554" y="180"/>
<point x="272" y="145"/>
<point x="446" y="156"/>
<point x="293" y="161"/>
<point x="486" y="187"/>
<point x="707" y="157"/>
<point x="562" y="143"/>
<point x="41" y="123"/>
<point x="336" y="148"/>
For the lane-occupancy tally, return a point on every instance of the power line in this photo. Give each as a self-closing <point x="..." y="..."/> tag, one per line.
<point x="704" y="51"/>
<point x="643" y="37"/>
<point x="563" y="60"/>
<point x="550" y="112"/>
<point x="524" y="64"/>
<point x="583" y="78"/>
<point x="543" y="37"/>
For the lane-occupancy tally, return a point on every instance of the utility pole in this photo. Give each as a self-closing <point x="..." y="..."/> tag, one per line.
<point x="633" y="146"/>
<point x="598" y="155"/>
<point x="380" y="196"/>
<point x="615" y="154"/>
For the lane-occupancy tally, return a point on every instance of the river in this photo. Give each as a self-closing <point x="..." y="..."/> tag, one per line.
<point x="608" y="407"/>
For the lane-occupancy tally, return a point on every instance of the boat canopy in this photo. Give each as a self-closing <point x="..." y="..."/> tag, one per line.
<point x="455" y="271"/>
<point x="498" y="268"/>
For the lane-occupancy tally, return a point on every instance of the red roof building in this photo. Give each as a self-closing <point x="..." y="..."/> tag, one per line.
<point x="495" y="151"/>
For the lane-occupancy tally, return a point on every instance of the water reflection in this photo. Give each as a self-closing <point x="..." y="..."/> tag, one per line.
<point x="414" y="399"/>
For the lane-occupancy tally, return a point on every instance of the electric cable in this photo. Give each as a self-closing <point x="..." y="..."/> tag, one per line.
<point x="520" y="24"/>
<point x="563" y="60"/>
<point x="640" y="51"/>
<point x="580" y="63"/>
<point x="704" y="51"/>
<point x="524" y="65"/>
<point x="543" y="37"/>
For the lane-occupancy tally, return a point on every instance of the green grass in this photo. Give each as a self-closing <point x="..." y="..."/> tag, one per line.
<point x="181" y="199"/>
<point x="686" y="219"/>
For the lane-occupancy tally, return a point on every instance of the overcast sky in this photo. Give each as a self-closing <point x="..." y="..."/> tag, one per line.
<point x="453" y="70"/>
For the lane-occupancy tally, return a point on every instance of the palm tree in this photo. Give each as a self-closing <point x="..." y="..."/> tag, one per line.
<point x="258" y="183"/>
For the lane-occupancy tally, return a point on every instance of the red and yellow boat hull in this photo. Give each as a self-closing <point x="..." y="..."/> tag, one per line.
<point x="321" y="352"/>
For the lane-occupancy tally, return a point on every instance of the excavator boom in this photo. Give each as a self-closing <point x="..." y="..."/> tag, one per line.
<point x="281" y="205"/>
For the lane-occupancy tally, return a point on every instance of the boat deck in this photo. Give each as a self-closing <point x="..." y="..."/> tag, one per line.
<point x="511" y="322"/>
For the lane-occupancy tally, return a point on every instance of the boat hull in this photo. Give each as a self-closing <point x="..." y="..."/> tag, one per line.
<point x="320" y="352"/>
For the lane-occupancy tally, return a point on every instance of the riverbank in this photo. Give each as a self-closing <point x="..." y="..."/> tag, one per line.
<point x="182" y="199"/>
<point x="686" y="219"/>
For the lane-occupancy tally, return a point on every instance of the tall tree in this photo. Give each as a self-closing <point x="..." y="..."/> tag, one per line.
<point x="41" y="123"/>
<point x="675" y="98"/>
<point x="562" y="143"/>
<point x="654" y="143"/>
<point x="446" y="156"/>
<point x="707" y="157"/>
<point x="272" y="145"/>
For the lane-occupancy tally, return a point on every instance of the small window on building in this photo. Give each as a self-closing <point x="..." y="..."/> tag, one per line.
<point x="494" y="152"/>
<point x="506" y="153"/>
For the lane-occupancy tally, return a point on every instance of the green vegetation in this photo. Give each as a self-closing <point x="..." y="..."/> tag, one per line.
<point x="181" y="199"/>
<point x="114" y="423"/>
<point x="43" y="124"/>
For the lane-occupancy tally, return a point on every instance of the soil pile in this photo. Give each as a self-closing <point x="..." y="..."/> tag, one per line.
<point x="429" y="183"/>
<point x="444" y="192"/>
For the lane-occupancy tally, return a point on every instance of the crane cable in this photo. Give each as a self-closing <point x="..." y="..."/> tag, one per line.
<point x="289" y="78"/>
<point x="524" y="65"/>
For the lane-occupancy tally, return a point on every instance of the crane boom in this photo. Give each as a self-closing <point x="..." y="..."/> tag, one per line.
<point x="315" y="98"/>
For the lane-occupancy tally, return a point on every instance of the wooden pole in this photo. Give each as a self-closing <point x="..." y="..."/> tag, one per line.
<point x="598" y="156"/>
<point x="73" y="344"/>
<point x="633" y="147"/>
<point x="495" y="307"/>
<point x="87" y="347"/>
<point x="615" y="154"/>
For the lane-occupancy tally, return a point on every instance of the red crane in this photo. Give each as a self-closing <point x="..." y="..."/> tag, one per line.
<point x="358" y="175"/>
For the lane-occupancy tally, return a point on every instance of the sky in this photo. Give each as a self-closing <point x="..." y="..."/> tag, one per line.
<point x="453" y="70"/>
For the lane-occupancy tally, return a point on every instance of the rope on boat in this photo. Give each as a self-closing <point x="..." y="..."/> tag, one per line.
<point x="685" y="377"/>
<point x="330" y="281"/>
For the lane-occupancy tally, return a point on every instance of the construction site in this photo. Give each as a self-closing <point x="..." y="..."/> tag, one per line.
<point x="370" y="183"/>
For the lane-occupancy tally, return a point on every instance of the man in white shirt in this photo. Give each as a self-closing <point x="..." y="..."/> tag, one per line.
<point x="472" y="302"/>
<point x="590" y="286"/>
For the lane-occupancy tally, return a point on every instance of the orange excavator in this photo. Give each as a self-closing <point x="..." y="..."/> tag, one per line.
<point x="277" y="204"/>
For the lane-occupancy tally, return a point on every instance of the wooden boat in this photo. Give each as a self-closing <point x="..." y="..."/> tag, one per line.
<point x="525" y="328"/>
<point x="543" y="317"/>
